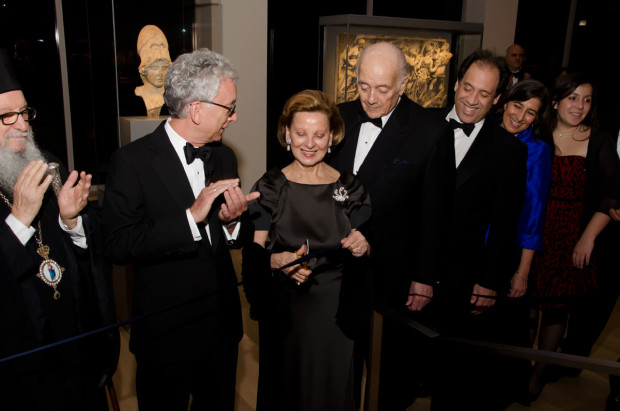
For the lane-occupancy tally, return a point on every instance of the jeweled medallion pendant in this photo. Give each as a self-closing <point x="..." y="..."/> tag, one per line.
<point x="50" y="272"/>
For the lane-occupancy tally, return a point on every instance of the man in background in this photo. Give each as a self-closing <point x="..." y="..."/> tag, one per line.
<point x="515" y="59"/>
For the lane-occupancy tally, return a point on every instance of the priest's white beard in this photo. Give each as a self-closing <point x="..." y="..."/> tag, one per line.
<point x="12" y="163"/>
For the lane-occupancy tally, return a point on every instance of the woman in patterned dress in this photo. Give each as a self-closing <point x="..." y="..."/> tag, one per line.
<point x="584" y="187"/>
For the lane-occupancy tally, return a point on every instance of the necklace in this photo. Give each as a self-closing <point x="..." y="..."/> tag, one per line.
<point x="50" y="272"/>
<point x="572" y="134"/>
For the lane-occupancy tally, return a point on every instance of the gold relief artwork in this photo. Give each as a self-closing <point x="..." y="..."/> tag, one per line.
<point x="427" y="59"/>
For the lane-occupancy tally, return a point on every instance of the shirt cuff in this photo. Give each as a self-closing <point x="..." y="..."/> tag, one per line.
<point x="193" y="226"/>
<point x="77" y="234"/>
<point x="23" y="233"/>
<point x="235" y="233"/>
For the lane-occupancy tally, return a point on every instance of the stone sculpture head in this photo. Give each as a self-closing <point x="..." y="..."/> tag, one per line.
<point x="154" y="62"/>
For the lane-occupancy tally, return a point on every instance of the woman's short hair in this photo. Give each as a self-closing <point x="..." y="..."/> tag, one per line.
<point x="311" y="101"/>
<point x="523" y="91"/>
<point x="566" y="84"/>
<point x="195" y="76"/>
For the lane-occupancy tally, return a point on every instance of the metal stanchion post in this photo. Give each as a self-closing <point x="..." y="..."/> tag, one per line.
<point x="371" y="396"/>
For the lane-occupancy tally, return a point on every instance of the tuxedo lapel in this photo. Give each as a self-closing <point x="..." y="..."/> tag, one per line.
<point x="476" y="153"/>
<point x="387" y="145"/>
<point x="215" y="167"/>
<point x="169" y="169"/>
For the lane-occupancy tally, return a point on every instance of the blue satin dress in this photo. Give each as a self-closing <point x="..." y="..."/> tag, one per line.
<point x="532" y="220"/>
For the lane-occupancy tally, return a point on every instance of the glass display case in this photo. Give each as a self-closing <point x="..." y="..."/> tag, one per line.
<point x="432" y="50"/>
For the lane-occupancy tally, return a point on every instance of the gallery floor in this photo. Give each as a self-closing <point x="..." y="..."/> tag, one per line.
<point x="585" y="393"/>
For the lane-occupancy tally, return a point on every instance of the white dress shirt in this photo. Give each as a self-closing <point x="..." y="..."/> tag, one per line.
<point x="195" y="175"/>
<point x="462" y="142"/>
<point x="24" y="234"/>
<point x="368" y="135"/>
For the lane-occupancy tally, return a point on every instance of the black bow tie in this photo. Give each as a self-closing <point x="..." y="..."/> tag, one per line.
<point x="191" y="153"/>
<point x="376" y="121"/>
<point x="466" y="127"/>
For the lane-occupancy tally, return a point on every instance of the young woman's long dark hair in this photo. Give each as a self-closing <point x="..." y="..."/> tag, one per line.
<point x="564" y="85"/>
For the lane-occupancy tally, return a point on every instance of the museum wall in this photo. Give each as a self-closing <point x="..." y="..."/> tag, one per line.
<point x="499" y="18"/>
<point x="244" y="42"/>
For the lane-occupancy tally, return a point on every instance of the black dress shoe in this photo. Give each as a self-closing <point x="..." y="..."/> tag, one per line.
<point x="528" y="398"/>
<point x="421" y="390"/>
<point x="613" y="402"/>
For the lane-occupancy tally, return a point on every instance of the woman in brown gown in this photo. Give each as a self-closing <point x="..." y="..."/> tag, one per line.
<point x="307" y="311"/>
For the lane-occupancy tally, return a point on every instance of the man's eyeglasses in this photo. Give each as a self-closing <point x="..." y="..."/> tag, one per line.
<point x="231" y="109"/>
<point x="28" y="114"/>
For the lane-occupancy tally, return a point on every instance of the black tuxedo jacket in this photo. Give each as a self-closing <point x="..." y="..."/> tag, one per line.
<point x="146" y="198"/>
<point x="409" y="174"/>
<point x="490" y="185"/>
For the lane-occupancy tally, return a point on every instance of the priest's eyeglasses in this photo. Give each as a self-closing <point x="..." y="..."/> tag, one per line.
<point x="11" y="118"/>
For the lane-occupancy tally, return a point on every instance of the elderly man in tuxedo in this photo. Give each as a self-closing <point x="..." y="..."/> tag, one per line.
<point x="172" y="207"/>
<point x="490" y="183"/>
<point x="405" y="158"/>
<point x="54" y="284"/>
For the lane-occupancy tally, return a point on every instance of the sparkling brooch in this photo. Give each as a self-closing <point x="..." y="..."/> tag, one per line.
<point x="340" y="194"/>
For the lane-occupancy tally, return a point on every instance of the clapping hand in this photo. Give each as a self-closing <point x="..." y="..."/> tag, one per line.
<point x="73" y="197"/>
<point x="28" y="192"/>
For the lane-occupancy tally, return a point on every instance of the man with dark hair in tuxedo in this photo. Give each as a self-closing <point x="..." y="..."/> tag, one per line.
<point x="490" y="184"/>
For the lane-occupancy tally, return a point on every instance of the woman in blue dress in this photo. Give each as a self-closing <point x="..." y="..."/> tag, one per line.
<point x="525" y="113"/>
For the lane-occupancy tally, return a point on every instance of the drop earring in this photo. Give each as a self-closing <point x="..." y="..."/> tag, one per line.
<point x="288" y="144"/>
<point x="329" y="148"/>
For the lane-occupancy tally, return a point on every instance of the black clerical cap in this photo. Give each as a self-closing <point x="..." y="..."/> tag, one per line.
<point x="8" y="77"/>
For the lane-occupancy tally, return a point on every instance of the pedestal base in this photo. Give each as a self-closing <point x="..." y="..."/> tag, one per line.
<point x="134" y="127"/>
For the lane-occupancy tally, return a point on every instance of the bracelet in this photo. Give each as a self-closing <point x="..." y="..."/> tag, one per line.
<point x="231" y="223"/>
<point x="523" y="278"/>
